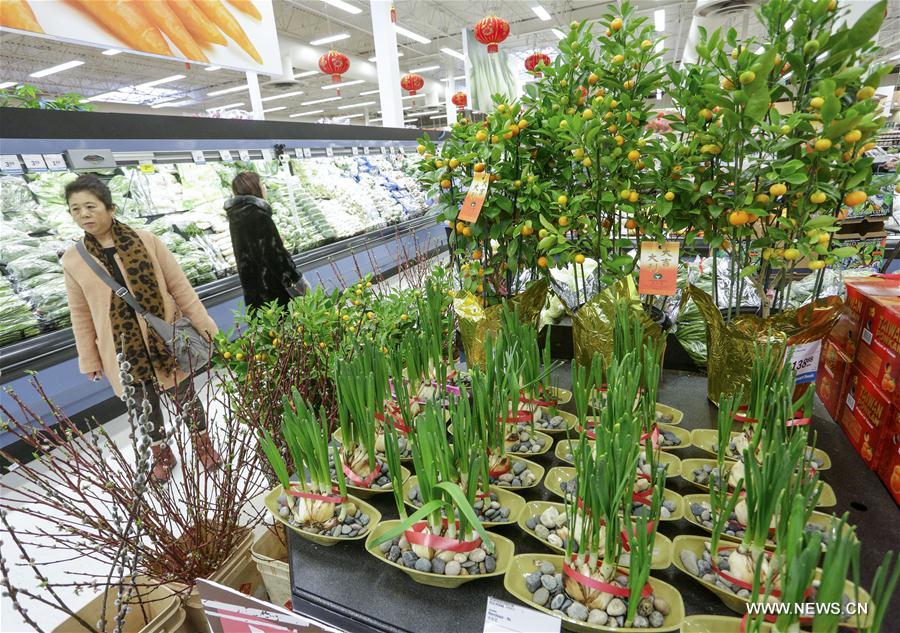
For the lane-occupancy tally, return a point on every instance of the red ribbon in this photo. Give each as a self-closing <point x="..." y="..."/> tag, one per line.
<point x="599" y="585"/>
<point x="653" y="436"/>
<point x="415" y="536"/>
<point x="316" y="497"/>
<point x="735" y="581"/>
<point x="501" y="470"/>
<point x="643" y="496"/>
<point x="625" y="541"/>
<point x="357" y="480"/>
<point x="539" y="403"/>
<point x="521" y="416"/>
<point x="795" y="421"/>
<point x="397" y="423"/>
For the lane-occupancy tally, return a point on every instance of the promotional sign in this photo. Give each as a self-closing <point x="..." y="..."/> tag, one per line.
<point x="230" y="611"/>
<point x="471" y="207"/>
<point x="503" y="617"/>
<point x="238" y="34"/>
<point x="804" y="358"/>
<point x="659" y="268"/>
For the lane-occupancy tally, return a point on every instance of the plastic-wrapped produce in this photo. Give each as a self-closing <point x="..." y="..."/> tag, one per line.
<point x="203" y="189"/>
<point x="30" y="266"/>
<point x="15" y="198"/>
<point x="49" y="186"/>
<point x="17" y="321"/>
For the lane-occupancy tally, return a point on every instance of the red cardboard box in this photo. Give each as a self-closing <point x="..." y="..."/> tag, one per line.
<point x="878" y="353"/>
<point x="845" y="334"/>
<point x="866" y="414"/>
<point x="830" y="377"/>
<point x="889" y="458"/>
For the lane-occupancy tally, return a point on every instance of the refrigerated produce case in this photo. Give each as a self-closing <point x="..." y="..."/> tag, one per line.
<point x="336" y="192"/>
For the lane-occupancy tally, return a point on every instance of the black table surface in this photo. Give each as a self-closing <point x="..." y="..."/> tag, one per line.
<point x="347" y="587"/>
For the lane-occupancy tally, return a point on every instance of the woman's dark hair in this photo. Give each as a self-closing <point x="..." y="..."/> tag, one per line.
<point x="247" y="183"/>
<point x="91" y="184"/>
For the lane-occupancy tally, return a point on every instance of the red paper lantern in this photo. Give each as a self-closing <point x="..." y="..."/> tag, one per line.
<point x="335" y="64"/>
<point x="490" y="31"/>
<point x="411" y="82"/>
<point x="460" y="100"/>
<point x="532" y="61"/>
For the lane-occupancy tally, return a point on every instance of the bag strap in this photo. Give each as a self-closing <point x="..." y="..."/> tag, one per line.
<point x="120" y="290"/>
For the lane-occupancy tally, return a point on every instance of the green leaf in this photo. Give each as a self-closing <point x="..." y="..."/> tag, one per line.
<point x="749" y="270"/>
<point x="867" y="26"/>
<point x="820" y="221"/>
<point x="547" y="242"/>
<point x="757" y="105"/>
<point x="621" y="261"/>
<point x="546" y="224"/>
<point x="796" y="179"/>
<point x="845" y="251"/>
<point x="707" y="186"/>
<point x="830" y="109"/>
<point x="416" y="516"/>
<point x="462" y="504"/>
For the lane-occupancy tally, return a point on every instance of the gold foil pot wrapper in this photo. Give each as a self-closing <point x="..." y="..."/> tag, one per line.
<point x="476" y="322"/>
<point x="731" y="346"/>
<point x="592" y="324"/>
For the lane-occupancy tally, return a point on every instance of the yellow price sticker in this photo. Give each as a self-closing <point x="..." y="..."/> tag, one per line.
<point x="148" y="168"/>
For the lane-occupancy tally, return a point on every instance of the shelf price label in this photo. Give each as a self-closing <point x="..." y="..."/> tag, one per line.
<point x="401" y="150"/>
<point x="366" y="150"/>
<point x="55" y="162"/>
<point x="225" y="155"/>
<point x="9" y="164"/>
<point x="307" y="152"/>
<point x="355" y="150"/>
<point x="266" y="154"/>
<point x="147" y="167"/>
<point x="34" y="162"/>
<point x="329" y="152"/>
<point x="244" y="154"/>
<point x="383" y="150"/>
<point x="298" y="152"/>
<point x="198" y="157"/>
<point x="503" y="617"/>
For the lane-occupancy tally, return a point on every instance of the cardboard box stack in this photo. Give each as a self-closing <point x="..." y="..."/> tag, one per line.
<point x="859" y="372"/>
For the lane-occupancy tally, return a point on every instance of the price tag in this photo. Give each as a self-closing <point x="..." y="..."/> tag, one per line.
<point x="804" y="358"/>
<point x="866" y="335"/>
<point x="851" y="396"/>
<point x="393" y="150"/>
<point x="503" y="617"/>
<point x="225" y="155"/>
<point x="266" y="154"/>
<point x="307" y="152"/>
<point x="383" y="150"/>
<point x="198" y="157"/>
<point x="244" y="154"/>
<point x="9" y="164"/>
<point x="354" y="150"/>
<point x="471" y="207"/>
<point x="55" y="162"/>
<point x="329" y="152"/>
<point x="147" y="167"/>
<point x="659" y="268"/>
<point x="298" y="152"/>
<point x="34" y="162"/>
<point x="401" y="150"/>
<point x="366" y="150"/>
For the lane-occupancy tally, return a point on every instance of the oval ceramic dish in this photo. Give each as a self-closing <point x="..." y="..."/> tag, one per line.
<point x="374" y="515"/>
<point x="548" y="442"/>
<point x="524" y="564"/>
<point x="707" y="440"/>
<point x="673" y="463"/>
<point x="696" y="544"/>
<point x="508" y="499"/>
<point x="677" y="415"/>
<point x="338" y="437"/>
<point x="662" y="548"/>
<point x="681" y="434"/>
<point x="558" y="474"/>
<point x="818" y="518"/>
<point x="688" y="466"/>
<point x="716" y="624"/>
<point x="504" y="549"/>
<point x="537" y="469"/>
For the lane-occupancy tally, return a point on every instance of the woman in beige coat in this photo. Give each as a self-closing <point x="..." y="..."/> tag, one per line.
<point x="104" y="324"/>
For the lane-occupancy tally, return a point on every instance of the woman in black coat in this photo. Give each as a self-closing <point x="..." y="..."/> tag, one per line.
<point x="265" y="267"/>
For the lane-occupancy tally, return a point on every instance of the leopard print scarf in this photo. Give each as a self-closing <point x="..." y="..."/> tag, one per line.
<point x="141" y="278"/>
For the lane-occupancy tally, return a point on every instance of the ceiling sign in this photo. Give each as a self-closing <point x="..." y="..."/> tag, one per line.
<point x="238" y="34"/>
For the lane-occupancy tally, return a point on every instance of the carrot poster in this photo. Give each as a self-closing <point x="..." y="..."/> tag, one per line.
<point x="238" y="34"/>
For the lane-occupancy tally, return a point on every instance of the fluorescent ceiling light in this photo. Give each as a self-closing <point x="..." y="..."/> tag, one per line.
<point x="111" y="51"/>
<point x="343" y="84"/>
<point x="173" y="104"/>
<point x="368" y="92"/>
<point x="459" y="78"/>
<point x="209" y="69"/>
<point x="325" y="100"/>
<point x="409" y="120"/>
<point x="330" y="39"/>
<point x="276" y="109"/>
<point x="659" y="20"/>
<point x="541" y="12"/>
<point x="374" y="59"/>
<point x="413" y="36"/>
<point x="425" y="113"/>
<point x="356" y="105"/>
<point x="158" y="82"/>
<point x="415" y="96"/>
<point x="226" y="91"/>
<point x="559" y="34"/>
<point x="7" y="84"/>
<point x="225" y="107"/>
<point x="788" y="24"/>
<point x="453" y="53"/>
<point x="423" y="69"/>
<point x="439" y="116"/>
<point x="310" y="113"/>
<point x="373" y="120"/>
<point x="306" y="73"/>
<point x="283" y="96"/>
<point x="57" y="69"/>
<point x="344" y="6"/>
<point x="351" y="116"/>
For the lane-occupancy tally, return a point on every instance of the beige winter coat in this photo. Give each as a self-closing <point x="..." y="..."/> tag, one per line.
<point x="89" y="300"/>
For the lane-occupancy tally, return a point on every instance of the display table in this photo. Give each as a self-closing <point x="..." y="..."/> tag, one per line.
<point x="346" y="586"/>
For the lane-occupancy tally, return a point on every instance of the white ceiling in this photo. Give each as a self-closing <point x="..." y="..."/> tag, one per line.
<point x="305" y="20"/>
